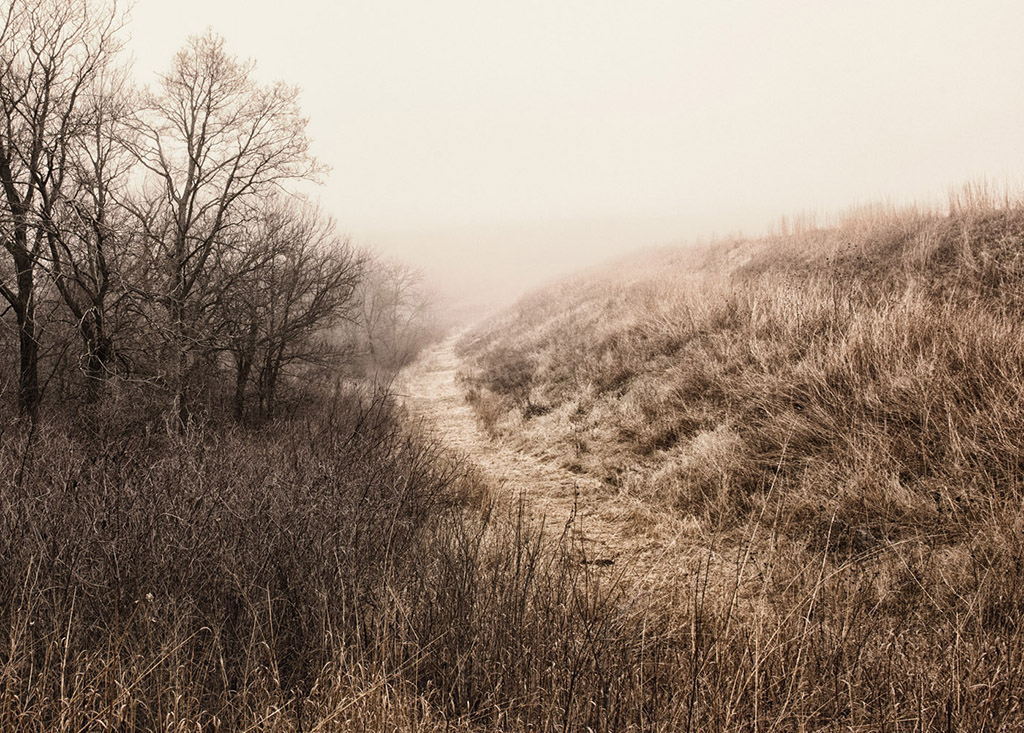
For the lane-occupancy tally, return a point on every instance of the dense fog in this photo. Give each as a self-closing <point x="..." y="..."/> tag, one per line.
<point x="499" y="143"/>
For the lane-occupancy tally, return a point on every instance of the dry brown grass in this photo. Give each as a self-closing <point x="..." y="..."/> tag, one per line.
<point x="841" y="406"/>
<point x="335" y="572"/>
<point x="845" y="449"/>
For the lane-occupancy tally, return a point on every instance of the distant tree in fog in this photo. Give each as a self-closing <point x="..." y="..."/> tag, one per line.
<point x="394" y="315"/>
<point x="300" y="281"/>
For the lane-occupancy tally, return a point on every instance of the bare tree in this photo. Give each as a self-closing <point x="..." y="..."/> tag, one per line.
<point x="300" y="281"/>
<point x="51" y="52"/>
<point x="91" y="246"/>
<point x="394" y="315"/>
<point x="214" y="142"/>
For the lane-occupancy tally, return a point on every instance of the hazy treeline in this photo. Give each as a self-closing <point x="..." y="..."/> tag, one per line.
<point x="155" y="237"/>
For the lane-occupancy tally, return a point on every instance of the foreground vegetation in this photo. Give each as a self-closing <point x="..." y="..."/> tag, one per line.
<point x="336" y="572"/>
<point x="333" y="572"/>
<point x="838" y="409"/>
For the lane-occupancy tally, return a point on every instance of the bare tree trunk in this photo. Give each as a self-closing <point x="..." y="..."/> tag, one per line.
<point x="244" y="368"/>
<point x="180" y="377"/>
<point x="270" y="378"/>
<point x="181" y="406"/>
<point x="29" y="394"/>
<point x="99" y="353"/>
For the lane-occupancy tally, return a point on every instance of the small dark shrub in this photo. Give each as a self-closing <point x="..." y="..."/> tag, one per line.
<point x="508" y="372"/>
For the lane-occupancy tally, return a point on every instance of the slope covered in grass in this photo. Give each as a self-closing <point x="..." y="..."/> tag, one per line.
<point x="873" y="368"/>
<point x="839" y="409"/>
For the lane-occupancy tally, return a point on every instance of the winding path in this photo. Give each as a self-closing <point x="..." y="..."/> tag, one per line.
<point x="649" y="548"/>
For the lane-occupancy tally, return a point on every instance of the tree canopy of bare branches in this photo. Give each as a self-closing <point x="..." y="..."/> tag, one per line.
<point x="213" y="144"/>
<point x="52" y="53"/>
<point x="154" y="239"/>
<point x="300" y="279"/>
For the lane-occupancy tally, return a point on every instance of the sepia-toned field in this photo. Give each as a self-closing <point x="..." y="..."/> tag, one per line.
<point x="266" y="466"/>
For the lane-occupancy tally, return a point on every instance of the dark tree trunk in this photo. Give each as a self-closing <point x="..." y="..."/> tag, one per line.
<point x="29" y="394"/>
<point x="99" y="353"/>
<point x="181" y="391"/>
<point x="244" y="368"/>
<point x="269" y="378"/>
<point x="181" y="358"/>
<point x="22" y="296"/>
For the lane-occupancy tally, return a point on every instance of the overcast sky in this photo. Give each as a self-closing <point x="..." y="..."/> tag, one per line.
<point x="499" y="142"/>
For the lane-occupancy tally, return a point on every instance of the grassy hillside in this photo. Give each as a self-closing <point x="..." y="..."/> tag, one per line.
<point x="874" y="369"/>
<point x="842" y="406"/>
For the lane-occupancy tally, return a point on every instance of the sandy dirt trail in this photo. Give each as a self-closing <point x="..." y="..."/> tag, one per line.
<point x="616" y="531"/>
